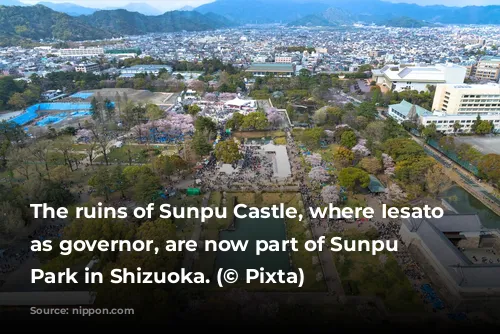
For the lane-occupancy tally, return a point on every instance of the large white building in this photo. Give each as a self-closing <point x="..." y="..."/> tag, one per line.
<point x="462" y="104"/>
<point x="132" y="71"/>
<point x="80" y="52"/>
<point x="87" y="68"/>
<point x="411" y="77"/>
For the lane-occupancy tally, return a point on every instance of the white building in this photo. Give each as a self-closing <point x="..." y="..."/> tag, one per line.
<point x="80" y="52"/>
<point x="400" y="78"/>
<point x="467" y="99"/>
<point x="462" y="104"/>
<point x="87" y="68"/>
<point x="406" y="111"/>
<point x="283" y="59"/>
<point x="130" y="72"/>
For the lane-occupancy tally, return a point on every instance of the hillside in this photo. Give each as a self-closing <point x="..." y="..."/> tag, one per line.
<point x="20" y="24"/>
<point x="124" y="22"/>
<point x="330" y="17"/>
<point x="404" y="22"/>
<point x="39" y="22"/>
<point x="69" y="8"/>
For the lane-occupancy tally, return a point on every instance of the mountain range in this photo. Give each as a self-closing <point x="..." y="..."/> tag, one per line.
<point x="19" y="24"/>
<point x="330" y="17"/>
<point x="369" y="11"/>
<point x="77" y="10"/>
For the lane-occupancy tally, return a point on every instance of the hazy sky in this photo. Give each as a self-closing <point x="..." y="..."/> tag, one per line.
<point x="174" y="4"/>
<point x="159" y="4"/>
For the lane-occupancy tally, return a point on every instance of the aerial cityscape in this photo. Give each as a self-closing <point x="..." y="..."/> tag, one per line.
<point x="301" y="105"/>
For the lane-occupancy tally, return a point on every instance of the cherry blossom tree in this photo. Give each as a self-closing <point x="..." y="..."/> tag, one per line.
<point x="329" y="133"/>
<point x="330" y="194"/>
<point x="395" y="192"/>
<point x="314" y="159"/>
<point x="84" y="135"/>
<point x="319" y="174"/>
<point x="389" y="166"/>
<point x="360" y="148"/>
<point x="227" y="96"/>
<point x="210" y="97"/>
<point x="274" y="116"/>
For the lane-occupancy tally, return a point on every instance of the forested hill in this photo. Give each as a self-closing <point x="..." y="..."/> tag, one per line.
<point x="18" y="24"/>
<point x="132" y="23"/>
<point x="39" y="22"/>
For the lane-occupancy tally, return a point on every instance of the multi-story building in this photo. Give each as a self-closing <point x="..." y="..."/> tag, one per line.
<point x="454" y="104"/>
<point x="276" y="69"/>
<point x="283" y="59"/>
<point x="488" y="68"/>
<point x="400" y="78"/>
<point x="130" y="72"/>
<point x="80" y="52"/>
<point x="467" y="99"/>
<point x="87" y="68"/>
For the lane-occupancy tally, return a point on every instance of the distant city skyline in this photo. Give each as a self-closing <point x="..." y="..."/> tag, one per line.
<point x="176" y="4"/>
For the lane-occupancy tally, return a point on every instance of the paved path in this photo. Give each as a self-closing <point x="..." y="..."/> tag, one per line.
<point x="330" y="274"/>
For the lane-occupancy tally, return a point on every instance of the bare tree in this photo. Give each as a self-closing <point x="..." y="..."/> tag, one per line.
<point x="102" y="139"/>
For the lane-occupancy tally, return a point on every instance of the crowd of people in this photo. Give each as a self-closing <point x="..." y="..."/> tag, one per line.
<point x="255" y="169"/>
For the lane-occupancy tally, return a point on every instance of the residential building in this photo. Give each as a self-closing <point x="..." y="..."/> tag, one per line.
<point x="87" y="67"/>
<point x="80" y="52"/>
<point x="130" y="72"/>
<point x="463" y="255"/>
<point x="283" y="59"/>
<point x="400" y="78"/>
<point x="276" y="69"/>
<point x="488" y="68"/>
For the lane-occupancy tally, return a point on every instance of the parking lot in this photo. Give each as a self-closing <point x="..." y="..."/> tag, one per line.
<point x="484" y="145"/>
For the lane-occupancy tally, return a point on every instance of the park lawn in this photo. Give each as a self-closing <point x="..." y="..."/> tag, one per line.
<point x="327" y="152"/>
<point x="57" y="158"/>
<point x="83" y="147"/>
<point x="121" y="155"/>
<point x="280" y="141"/>
<point x="363" y="274"/>
<point x="185" y="226"/>
<point x="294" y="229"/>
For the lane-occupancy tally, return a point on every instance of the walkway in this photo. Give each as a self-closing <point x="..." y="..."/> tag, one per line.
<point x="330" y="274"/>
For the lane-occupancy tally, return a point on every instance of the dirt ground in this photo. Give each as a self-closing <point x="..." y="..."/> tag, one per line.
<point x="139" y="96"/>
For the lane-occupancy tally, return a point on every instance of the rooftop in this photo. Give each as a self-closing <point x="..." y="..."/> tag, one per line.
<point x="428" y="73"/>
<point x="404" y="108"/>
<point x="460" y="268"/>
<point x="270" y="67"/>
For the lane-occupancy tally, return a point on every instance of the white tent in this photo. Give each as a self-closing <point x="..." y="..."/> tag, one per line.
<point x="237" y="102"/>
